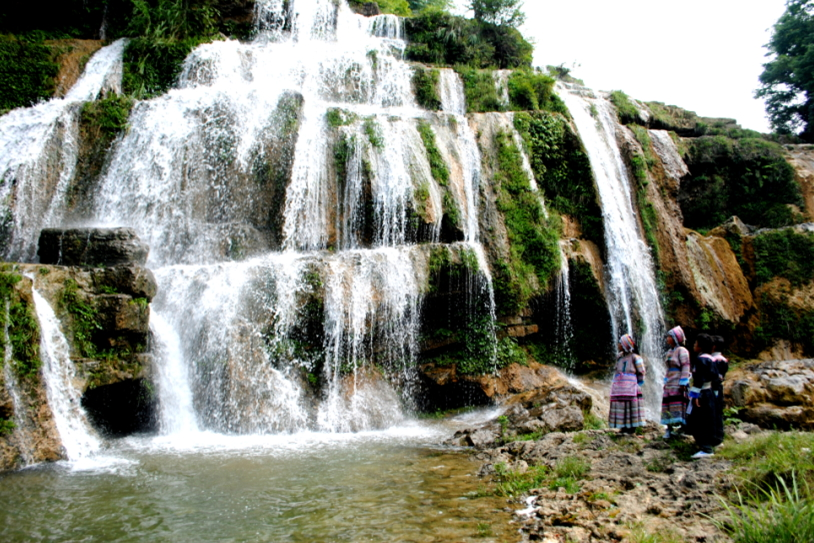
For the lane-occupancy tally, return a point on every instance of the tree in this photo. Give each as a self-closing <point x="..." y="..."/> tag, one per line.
<point x="787" y="81"/>
<point x="499" y="12"/>
<point x="419" y="5"/>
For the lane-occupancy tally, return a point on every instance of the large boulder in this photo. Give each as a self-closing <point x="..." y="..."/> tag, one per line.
<point x="92" y="247"/>
<point x="773" y="394"/>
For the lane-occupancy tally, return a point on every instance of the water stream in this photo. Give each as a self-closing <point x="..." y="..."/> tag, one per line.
<point x="631" y="291"/>
<point x="39" y="154"/>
<point x="78" y="438"/>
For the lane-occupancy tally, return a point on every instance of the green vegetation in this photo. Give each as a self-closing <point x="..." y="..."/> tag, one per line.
<point x="165" y="33"/>
<point x="440" y="172"/>
<point x="528" y="90"/>
<point x="512" y="483"/>
<point x="107" y="117"/>
<point x="436" y="37"/>
<point x="784" y="253"/>
<point x="534" y="255"/>
<point x="566" y="475"/>
<point x="6" y="427"/>
<point x="748" y="177"/>
<point x="778" y="320"/>
<point x="562" y="169"/>
<point x="425" y="85"/>
<point x="373" y="131"/>
<point x="499" y="12"/>
<point x="773" y="501"/>
<point x="85" y="319"/>
<point x="343" y="150"/>
<point x="627" y="111"/>
<point x="337" y="117"/>
<point x="23" y="329"/>
<point x="533" y="90"/>
<point x="641" y="534"/>
<point x="787" y="81"/>
<point x="767" y="461"/>
<point x="641" y="164"/>
<point x="27" y="71"/>
<point x="439" y="169"/>
<point x="785" y="516"/>
<point x="480" y="90"/>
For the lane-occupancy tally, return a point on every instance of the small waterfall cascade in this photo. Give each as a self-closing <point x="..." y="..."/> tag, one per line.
<point x="21" y="435"/>
<point x="279" y="187"/>
<point x="40" y="151"/>
<point x="564" y="332"/>
<point x="176" y="411"/>
<point x="64" y="399"/>
<point x="631" y="290"/>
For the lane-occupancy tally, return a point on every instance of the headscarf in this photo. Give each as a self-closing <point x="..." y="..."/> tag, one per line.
<point x="627" y="343"/>
<point x="678" y="335"/>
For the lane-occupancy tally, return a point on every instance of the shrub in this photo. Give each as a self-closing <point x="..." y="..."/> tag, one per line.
<point x="784" y="253"/>
<point x="23" y="328"/>
<point x="27" y="72"/>
<point x="480" y="90"/>
<point x="425" y="85"/>
<point x="627" y="111"/>
<point x="748" y="177"/>
<point x="436" y="37"/>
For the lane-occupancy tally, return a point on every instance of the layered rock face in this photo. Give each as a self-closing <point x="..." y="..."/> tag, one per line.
<point x="100" y="293"/>
<point x="776" y="393"/>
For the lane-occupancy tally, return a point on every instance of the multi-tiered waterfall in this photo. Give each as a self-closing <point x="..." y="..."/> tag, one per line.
<point x="292" y="207"/>
<point x="316" y="125"/>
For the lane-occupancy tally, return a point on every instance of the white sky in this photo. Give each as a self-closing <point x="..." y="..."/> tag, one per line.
<point x="702" y="55"/>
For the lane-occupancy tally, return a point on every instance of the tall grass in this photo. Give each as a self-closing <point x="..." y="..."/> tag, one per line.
<point x="786" y="516"/>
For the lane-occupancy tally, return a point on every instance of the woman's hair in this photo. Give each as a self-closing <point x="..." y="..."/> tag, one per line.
<point x="705" y="342"/>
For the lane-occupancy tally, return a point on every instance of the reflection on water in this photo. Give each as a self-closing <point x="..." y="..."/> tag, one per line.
<point x="375" y="486"/>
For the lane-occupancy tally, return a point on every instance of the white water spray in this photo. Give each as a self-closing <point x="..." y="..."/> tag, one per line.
<point x="631" y="290"/>
<point x="63" y="398"/>
<point x="38" y="154"/>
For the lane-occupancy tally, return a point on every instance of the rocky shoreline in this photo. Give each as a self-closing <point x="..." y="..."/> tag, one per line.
<point x="626" y="486"/>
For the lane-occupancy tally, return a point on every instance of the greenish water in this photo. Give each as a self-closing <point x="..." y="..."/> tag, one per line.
<point x="395" y="485"/>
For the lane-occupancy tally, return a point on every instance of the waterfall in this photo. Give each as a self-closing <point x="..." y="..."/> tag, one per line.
<point x="631" y="292"/>
<point x="39" y="155"/>
<point x="63" y="398"/>
<point x="20" y="435"/>
<point x="176" y="411"/>
<point x="564" y="332"/>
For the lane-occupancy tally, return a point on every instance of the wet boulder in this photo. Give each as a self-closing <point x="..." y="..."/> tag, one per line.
<point x="91" y="247"/>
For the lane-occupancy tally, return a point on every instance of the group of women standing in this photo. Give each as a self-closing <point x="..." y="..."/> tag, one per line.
<point x="693" y="397"/>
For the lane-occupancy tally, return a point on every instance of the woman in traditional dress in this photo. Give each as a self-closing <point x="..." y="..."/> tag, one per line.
<point x="674" y="400"/>
<point x="705" y="418"/>
<point x="626" y="406"/>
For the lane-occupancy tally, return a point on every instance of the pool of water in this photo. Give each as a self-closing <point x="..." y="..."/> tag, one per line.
<point x="393" y="485"/>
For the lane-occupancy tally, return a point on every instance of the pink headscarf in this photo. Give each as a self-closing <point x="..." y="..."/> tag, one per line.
<point x="678" y="335"/>
<point x="627" y="343"/>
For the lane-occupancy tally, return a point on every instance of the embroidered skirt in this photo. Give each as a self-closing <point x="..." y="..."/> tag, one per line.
<point x="627" y="412"/>
<point x="673" y="408"/>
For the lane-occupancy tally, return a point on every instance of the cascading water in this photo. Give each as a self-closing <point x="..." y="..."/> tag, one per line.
<point x="297" y="156"/>
<point x="40" y="152"/>
<point x="58" y="373"/>
<point x="21" y="435"/>
<point x="564" y="332"/>
<point x="631" y="290"/>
